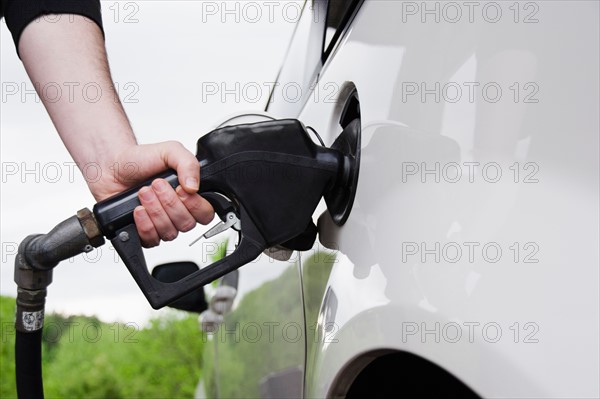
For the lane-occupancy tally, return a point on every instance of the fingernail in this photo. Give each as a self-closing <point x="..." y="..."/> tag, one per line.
<point x="160" y="185"/>
<point x="146" y="194"/>
<point x="181" y="193"/>
<point x="192" y="183"/>
<point x="139" y="210"/>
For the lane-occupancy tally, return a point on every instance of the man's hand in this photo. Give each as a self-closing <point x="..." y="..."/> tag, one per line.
<point x="164" y="211"/>
<point x="71" y="49"/>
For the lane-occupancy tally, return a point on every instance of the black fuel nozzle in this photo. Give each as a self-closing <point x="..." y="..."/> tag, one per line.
<point x="271" y="175"/>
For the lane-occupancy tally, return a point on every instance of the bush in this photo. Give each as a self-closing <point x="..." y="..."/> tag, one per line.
<point x="85" y="358"/>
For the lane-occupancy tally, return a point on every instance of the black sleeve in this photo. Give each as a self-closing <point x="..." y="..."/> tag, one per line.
<point x="19" y="13"/>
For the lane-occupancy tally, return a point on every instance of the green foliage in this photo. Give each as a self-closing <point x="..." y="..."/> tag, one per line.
<point x="85" y="358"/>
<point x="220" y="254"/>
<point x="8" y="387"/>
<point x="209" y="368"/>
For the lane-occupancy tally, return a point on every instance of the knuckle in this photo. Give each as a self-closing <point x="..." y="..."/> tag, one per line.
<point x="146" y="229"/>
<point x="174" y="145"/>
<point x="195" y="204"/>
<point x="155" y="212"/>
<point x="169" y="200"/>
<point x="191" y="206"/>
<point x="185" y="200"/>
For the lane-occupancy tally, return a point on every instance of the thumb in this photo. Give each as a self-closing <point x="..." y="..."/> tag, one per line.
<point x="176" y="156"/>
<point x="150" y="159"/>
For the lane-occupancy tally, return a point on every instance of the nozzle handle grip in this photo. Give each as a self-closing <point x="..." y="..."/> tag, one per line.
<point x="116" y="212"/>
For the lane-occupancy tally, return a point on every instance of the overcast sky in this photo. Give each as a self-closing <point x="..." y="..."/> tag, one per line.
<point x="172" y="61"/>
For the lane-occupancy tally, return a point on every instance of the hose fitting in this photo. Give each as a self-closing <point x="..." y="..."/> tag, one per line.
<point x="71" y="237"/>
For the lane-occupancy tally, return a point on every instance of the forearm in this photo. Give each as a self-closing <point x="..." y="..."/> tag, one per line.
<point x="70" y="54"/>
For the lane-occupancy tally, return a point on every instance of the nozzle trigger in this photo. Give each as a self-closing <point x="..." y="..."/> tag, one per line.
<point x="230" y="221"/>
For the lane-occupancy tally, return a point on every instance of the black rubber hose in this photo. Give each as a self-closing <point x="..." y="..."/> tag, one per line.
<point x="28" y="364"/>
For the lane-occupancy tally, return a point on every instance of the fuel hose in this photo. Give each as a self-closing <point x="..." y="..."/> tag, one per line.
<point x="28" y="364"/>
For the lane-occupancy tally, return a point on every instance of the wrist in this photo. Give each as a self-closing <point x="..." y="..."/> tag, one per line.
<point x="111" y="171"/>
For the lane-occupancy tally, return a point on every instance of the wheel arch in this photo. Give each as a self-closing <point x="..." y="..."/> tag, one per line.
<point x="389" y="371"/>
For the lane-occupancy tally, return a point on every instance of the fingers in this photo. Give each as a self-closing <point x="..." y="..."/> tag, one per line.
<point x="165" y="212"/>
<point x="199" y="208"/>
<point x="175" y="209"/>
<point x="145" y="227"/>
<point x="159" y="217"/>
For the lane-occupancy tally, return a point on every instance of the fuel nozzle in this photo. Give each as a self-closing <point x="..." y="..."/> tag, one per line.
<point x="265" y="179"/>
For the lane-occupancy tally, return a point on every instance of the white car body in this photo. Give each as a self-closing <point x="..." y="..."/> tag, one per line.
<point x="473" y="240"/>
